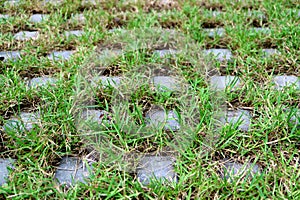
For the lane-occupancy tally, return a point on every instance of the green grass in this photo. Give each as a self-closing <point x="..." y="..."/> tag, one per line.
<point x="272" y="142"/>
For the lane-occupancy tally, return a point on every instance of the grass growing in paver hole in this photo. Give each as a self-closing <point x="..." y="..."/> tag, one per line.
<point x="272" y="141"/>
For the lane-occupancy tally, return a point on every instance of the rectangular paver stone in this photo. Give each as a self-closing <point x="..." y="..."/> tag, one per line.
<point x="156" y="168"/>
<point x="234" y="169"/>
<point x="215" y="32"/>
<point x="223" y="82"/>
<point x="242" y="117"/>
<point x="42" y="82"/>
<point x="9" y="55"/>
<point x="286" y="81"/>
<point x="24" y="122"/>
<point x="165" y="52"/>
<point x="37" y="18"/>
<point x="60" y="55"/>
<point x="159" y="118"/>
<point x="76" y="33"/>
<point x="4" y="173"/>
<point x="71" y="171"/>
<point x="219" y="54"/>
<point x="166" y="83"/>
<point x="26" y="35"/>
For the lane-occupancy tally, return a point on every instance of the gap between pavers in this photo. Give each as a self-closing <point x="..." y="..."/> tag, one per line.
<point x="280" y="82"/>
<point x="9" y="55"/>
<point x="26" y="35"/>
<point x="4" y="172"/>
<point x="223" y="82"/>
<point x="72" y="170"/>
<point x="160" y="168"/>
<point x="25" y="121"/>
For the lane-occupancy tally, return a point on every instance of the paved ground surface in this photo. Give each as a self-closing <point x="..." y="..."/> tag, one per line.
<point x="77" y="167"/>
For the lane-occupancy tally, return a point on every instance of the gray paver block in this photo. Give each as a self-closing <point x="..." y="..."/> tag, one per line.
<point x="79" y="18"/>
<point x="4" y="173"/>
<point x="60" y="55"/>
<point x="11" y="2"/>
<point x="165" y="52"/>
<point x="37" y="18"/>
<point x="53" y="2"/>
<point x="223" y="82"/>
<point x="243" y="117"/>
<point x="25" y="121"/>
<point x="42" y="82"/>
<point x="270" y="52"/>
<point x="10" y="55"/>
<point x="76" y="33"/>
<point x="235" y="169"/>
<point x="26" y="35"/>
<point x="286" y="81"/>
<point x="95" y="116"/>
<point x="293" y="116"/>
<point x="72" y="170"/>
<point x="219" y="54"/>
<point x="158" y="117"/>
<point x="4" y="16"/>
<point x="105" y="81"/>
<point x="213" y="32"/>
<point x="156" y="168"/>
<point x="261" y="30"/>
<point x="257" y="14"/>
<point x="166" y="83"/>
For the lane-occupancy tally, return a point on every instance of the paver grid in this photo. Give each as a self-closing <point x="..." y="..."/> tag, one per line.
<point x="159" y="167"/>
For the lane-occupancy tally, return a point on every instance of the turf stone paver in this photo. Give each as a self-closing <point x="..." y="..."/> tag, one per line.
<point x="106" y="81"/>
<point x="72" y="170"/>
<point x="42" y="82"/>
<point x="60" y="55"/>
<point x="261" y="30"/>
<point x="219" y="54"/>
<point x="76" y="33"/>
<point x="10" y="55"/>
<point x="4" y="16"/>
<point x="37" y="18"/>
<point x="270" y="52"/>
<point x="165" y="52"/>
<point x="79" y="18"/>
<point x="156" y="168"/>
<point x="158" y="117"/>
<point x="25" y="121"/>
<point x="233" y="170"/>
<point x="4" y="173"/>
<point x="223" y="82"/>
<point x="241" y="117"/>
<point x="286" y="81"/>
<point x="166" y="83"/>
<point x="26" y="35"/>
<point x="213" y="32"/>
